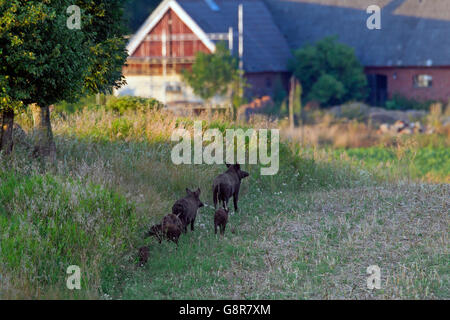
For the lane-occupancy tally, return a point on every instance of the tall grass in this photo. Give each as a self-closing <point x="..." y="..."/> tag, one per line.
<point x="48" y="223"/>
<point x="113" y="178"/>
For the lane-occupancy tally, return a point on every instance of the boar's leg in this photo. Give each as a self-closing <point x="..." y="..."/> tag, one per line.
<point x="192" y="224"/>
<point x="235" y="201"/>
<point x="225" y="204"/>
<point x="215" y="197"/>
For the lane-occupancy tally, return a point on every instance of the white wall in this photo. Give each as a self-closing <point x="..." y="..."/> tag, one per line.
<point x="155" y="87"/>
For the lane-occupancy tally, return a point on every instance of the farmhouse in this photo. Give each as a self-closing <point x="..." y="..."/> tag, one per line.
<point x="409" y="55"/>
<point x="167" y="42"/>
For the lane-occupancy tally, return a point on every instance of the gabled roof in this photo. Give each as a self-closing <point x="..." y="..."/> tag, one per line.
<point x="156" y="16"/>
<point x="265" y="48"/>
<point x="414" y="32"/>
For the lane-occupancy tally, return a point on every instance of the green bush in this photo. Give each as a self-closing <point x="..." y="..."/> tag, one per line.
<point x="125" y="103"/>
<point x="399" y="102"/>
<point x="72" y="107"/>
<point x="329" y="72"/>
<point x="327" y="89"/>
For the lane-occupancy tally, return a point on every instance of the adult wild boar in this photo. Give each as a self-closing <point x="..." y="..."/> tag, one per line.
<point x="228" y="184"/>
<point x="186" y="208"/>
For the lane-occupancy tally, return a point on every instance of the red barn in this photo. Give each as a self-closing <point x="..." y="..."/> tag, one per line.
<point x="409" y="55"/>
<point x="167" y="42"/>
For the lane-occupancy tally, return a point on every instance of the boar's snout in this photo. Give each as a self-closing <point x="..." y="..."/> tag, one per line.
<point x="243" y="174"/>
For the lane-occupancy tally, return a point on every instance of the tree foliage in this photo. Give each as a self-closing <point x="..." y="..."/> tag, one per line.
<point x="105" y="27"/>
<point x="42" y="61"/>
<point x="329" y="72"/>
<point x="212" y="74"/>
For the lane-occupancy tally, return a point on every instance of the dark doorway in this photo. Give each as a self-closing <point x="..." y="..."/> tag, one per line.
<point x="378" y="89"/>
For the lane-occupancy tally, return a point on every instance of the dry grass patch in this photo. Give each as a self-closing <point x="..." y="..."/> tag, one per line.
<point x="321" y="249"/>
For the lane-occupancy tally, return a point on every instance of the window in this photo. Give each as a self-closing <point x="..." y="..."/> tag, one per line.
<point x="423" y="81"/>
<point x="173" y="87"/>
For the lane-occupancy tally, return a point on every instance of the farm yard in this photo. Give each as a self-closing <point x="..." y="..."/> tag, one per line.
<point x="308" y="232"/>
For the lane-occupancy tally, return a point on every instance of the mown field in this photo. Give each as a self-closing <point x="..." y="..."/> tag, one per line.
<point x="308" y="232"/>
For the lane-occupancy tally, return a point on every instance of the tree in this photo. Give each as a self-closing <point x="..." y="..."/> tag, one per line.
<point x="214" y="74"/>
<point x="327" y="89"/>
<point x="329" y="72"/>
<point x="105" y="27"/>
<point x="43" y="61"/>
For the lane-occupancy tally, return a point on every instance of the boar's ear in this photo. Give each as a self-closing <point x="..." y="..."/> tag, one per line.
<point x="237" y="166"/>
<point x="197" y="193"/>
<point x="189" y="192"/>
<point x="228" y="165"/>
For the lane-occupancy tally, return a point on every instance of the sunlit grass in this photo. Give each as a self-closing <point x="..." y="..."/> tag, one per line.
<point x="302" y="233"/>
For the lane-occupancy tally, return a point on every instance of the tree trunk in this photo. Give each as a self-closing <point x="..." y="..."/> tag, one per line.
<point x="6" y="131"/>
<point x="44" y="145"/>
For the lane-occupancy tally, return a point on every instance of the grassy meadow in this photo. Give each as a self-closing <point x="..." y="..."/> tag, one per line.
<point x="308" y="232"/>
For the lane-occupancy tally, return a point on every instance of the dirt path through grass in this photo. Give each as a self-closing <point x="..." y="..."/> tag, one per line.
<point x="308" y="232"/>
<point x="315" y="245"/>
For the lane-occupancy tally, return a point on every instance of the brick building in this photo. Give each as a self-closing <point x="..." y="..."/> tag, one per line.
<point x="409" y="55"/>
<point x="167" y="42"/>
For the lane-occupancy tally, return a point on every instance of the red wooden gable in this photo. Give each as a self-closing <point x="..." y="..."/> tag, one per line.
<point x="172" y="25"/>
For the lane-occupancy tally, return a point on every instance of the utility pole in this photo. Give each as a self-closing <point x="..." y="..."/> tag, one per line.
<point x="241" y="48"/>
<point x="241" y="36"/>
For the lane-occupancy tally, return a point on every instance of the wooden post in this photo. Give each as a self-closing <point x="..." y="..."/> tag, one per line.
<point x="291" y="102"/>
<point x="209" y="107"/>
